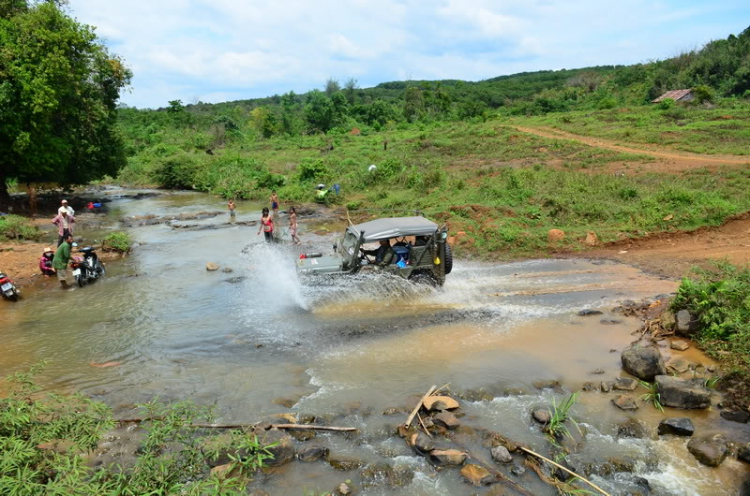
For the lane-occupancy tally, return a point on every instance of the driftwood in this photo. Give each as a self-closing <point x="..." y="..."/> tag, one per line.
<point x="242" y="426"/>
<point x="602" y="491"/>
<point x="419" y="417"/>
<point x="416" y="408"/>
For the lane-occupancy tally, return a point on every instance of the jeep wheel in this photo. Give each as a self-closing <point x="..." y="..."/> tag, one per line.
<point x="448" y="259"/>
<point x="424" y="278"/>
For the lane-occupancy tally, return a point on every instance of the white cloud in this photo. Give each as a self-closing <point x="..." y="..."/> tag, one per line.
<point x="208" y="48"/>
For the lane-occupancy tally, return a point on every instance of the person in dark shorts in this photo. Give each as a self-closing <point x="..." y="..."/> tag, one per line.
<point x="274" y="199"/>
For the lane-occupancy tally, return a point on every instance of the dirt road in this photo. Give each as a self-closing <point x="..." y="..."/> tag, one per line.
<point x="669" y="160"/>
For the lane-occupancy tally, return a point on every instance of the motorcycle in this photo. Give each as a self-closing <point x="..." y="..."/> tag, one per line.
<point x="8" y="289"/>
<point x="87" y="269"/>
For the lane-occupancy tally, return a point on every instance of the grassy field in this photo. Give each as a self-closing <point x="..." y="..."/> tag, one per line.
<point x="724" y="129"/>
<point x="505" y="188"/>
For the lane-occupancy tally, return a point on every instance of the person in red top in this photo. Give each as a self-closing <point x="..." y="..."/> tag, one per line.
<point x="266" y="225"/>
<point x="45" y="262"/>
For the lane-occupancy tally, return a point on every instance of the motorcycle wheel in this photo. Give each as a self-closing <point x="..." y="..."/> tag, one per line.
<point x="81" y="280"/>
<point x="100" y="269"/>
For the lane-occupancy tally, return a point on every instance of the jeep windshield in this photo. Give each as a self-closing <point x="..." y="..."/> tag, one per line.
<point x="348" y="244"/>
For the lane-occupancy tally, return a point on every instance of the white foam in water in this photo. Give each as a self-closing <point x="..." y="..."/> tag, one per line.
<point x="272" y="277"/>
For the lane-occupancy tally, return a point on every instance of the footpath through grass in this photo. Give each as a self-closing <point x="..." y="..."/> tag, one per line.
<point x="723" y="129"/>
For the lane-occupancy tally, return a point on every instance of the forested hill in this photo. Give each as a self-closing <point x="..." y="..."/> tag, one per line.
<point x="720" y="69"/>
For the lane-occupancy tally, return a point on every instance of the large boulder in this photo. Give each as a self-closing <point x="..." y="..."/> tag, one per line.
<point x="643" y="362"/>
<point x="686" y="325"/>
<point x="682" y="393"/>
<point x="678" y="426"/>
<point x="710" y="450"/>
<point x="282" y="449"/>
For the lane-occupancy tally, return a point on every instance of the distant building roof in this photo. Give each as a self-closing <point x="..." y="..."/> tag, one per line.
<point x="675" y="95"/>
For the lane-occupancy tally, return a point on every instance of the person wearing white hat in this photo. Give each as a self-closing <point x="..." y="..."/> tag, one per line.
<point x="45" y="262"/>
<point x="66" y="207"/>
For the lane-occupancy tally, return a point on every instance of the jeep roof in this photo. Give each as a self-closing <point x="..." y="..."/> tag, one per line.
<point x="393" y="227"/>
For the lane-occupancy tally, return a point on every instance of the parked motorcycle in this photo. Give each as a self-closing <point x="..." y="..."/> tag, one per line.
<point x="8" y="289"/>
<point x="87" y="268"/>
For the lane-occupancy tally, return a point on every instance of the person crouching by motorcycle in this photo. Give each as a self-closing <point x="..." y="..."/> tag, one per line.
<point x="64" y="222"/>
<point x="60" y="262"/>
<point x="45" y="262"/>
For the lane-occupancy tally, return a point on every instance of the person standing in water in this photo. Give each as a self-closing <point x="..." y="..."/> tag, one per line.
<point x="61" y="258"/>
<point x="231" y="206"/>
<point x="274" y="199"/>
<point x="293" y="226"/>
<point x="266" y="225"/>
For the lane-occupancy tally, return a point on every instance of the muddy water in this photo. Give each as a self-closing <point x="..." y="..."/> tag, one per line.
<point x="245" y="340"/>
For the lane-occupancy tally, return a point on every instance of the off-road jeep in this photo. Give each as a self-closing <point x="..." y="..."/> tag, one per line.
<point x="420" y="251"/>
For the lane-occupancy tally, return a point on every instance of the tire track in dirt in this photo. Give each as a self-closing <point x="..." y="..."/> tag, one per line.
<point x="676" y="161"/>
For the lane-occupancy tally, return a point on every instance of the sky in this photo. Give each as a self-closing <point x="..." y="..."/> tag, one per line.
<point x="224" y="50"/>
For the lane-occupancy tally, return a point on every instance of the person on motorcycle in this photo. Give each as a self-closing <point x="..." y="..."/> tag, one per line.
<point x="60" y="262"/>
<point x="45" y="262"/>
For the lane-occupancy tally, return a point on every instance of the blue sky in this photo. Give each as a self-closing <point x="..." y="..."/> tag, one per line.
<point x="220" y="50"/>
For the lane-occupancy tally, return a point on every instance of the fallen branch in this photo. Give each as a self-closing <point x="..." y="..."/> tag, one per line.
<point x="416" y="408"/>
<point x="419" y="417"/>
<point x="242" y="426"/>
<point x="602" y="491"/>
<point x="313" y="427"/>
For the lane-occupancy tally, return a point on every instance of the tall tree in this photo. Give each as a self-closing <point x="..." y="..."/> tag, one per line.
<point x="350" y="90"/>
<point x="332" y="86"/>
<point x="59" y="88"/>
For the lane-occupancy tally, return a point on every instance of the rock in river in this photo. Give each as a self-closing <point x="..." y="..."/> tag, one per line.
<point x="624" y="402"/>
<point x="744" y="453"/>
<point x="710" y="450"/>
<point x="477" y="475"/>
<point x="283" y="449"/>
<point x="446" y="419"/>
<point x="632" y="428"/>
<point x="682" y="393"/>
<point x="501" y="454"/>
<point x="312" y="453"/>
<point x="541" y="415"/>
<point x="626" y="384"/>
<point x="739" y="416"/>
<point x="678" y="426"/>
<point x="423" y="443"/>
<point x="210" y="266"/>
<point x="643" y="362"/>
<point x="448" y="456"/>
<point x="440" y="403"/>
<point x="678" y="364"/>
<point x="586" y="312"/>
<point x="679" y="345"/>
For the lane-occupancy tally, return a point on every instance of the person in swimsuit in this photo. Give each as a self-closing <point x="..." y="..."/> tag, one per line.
<point x="266" y="225"/>
<point x="274" y="203"/>
<point x="293" y="226"/>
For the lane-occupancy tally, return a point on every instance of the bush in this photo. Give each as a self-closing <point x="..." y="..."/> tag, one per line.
<point x="17" y="227"/>
<point x="312" y="170"/>
<point x="118" y="242"/>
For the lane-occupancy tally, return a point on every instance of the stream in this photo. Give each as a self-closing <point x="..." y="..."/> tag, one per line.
<point x="251" y="341"/>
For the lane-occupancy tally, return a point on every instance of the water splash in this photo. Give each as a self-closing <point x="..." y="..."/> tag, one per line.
<point x="272" y="277"/>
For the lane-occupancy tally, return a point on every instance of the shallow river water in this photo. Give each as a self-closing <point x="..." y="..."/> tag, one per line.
<point x="244" y="340"/>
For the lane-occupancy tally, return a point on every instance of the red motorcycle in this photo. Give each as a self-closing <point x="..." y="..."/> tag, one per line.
<point x="8" y="289"/>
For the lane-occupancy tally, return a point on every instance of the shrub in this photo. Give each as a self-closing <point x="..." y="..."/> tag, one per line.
<point x="118" y="242"/>
<point x="312" y="170"/>
<point x="666" y="104"/>
<point x="17" y="227"/>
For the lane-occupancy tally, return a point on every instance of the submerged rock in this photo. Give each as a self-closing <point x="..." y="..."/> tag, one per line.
<point x="624" y="402"/>
<point x="625" y="384"/>
<point x="744" y="453"/>
<point x="312" y="453"/>
<point x="682" y="393"/>
<point x="644" y="363"/>
<point x="678" y="364"/>
<point x="632" y="428"/>
<point x="344" y="463"/>
<point x="422" y="442"/>
<point x="344" y="489"/>
<point x="448" y="456"/>
<point x="477" y="475"/>
<point x="605" y="387"/>
<point x="735" y="416"/>
<point x="678" y="426"/>
<point x="710" y="450"/>
<point x="541" y="415"/>
<point x="378" y="474"/>
<point x="587" y="312"/>
<point x="434" y="403"/>
<point x="679" y="345"/>
<point x="501" y="454"/>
